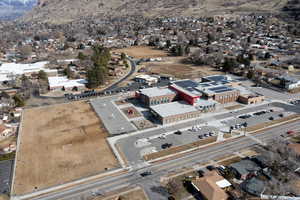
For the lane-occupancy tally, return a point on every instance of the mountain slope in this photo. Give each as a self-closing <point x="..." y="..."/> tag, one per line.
<point x="12" y="9"/>
<point x="60" y="11"/>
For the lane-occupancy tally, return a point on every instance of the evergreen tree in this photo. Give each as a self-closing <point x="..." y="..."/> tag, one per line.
<point x="19" y="101"/>
<point x="99" y="71"/>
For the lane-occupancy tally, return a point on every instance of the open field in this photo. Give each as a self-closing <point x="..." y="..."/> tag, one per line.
<point x="142" y="52"/>
<point x="173" y="66"/>
<point x="131" y="194"/>
<point x="179" y="149"/>
<point x="59" y="144"/>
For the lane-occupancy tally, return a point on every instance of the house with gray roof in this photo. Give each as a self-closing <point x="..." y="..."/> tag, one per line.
<point x="244" y="168"/>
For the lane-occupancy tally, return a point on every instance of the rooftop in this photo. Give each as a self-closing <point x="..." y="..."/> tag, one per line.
<point x="155" y="91"/>
<point x="8" y="69"/>
<point x="210" y="186"/>
<point x="187" y="86"/>
<point x="245" y="166"/>
<point x="173" y="108"/>
<point x="63" y="81"/>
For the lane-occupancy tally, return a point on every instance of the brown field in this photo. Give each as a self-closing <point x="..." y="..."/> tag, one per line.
<point x="142" y="52"/>
<point x="174" y="67"/>
<point x="60" y="144"/>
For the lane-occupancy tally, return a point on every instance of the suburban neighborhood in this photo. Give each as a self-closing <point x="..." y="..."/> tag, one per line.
<point x="137" y="108"/>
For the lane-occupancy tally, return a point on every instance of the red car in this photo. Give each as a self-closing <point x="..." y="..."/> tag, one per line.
<point x="290" y="132"/>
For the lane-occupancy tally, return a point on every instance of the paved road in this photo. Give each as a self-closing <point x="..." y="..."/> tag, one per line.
<point x="5" y="175"/>
<point x="150" y="183"/>
<point x="115" y="85"/>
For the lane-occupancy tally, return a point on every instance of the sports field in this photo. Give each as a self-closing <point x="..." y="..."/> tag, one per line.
<point x="60" y="144"/>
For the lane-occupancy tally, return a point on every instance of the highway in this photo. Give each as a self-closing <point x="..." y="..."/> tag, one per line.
<point x="133" y="178"/>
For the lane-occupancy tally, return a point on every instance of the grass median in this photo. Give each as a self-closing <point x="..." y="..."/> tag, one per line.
<point x="179" y="149"/>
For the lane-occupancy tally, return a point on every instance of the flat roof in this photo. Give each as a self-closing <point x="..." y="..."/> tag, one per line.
<point x="187" y="86"/>
<point x="218" y="78"/>
<point x="7" y="69"/>
<point x="155" y="91"/>
<point x="220" y="89"/>
<point x="63" y="81"/>
<point x="204" y="102"/>
<point x="173" y="108"/>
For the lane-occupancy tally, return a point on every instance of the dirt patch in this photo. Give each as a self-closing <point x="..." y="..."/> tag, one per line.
<point x="234" y="107"/>
<point x="142" y="52"/>
<point x="179" y="149"/>
<point x="227" y="135"/>
<point x="173" y="66"/>
<point x="143" y="124"/>
<point x="60" y="144"/>
<point x="131" y="194"/>
<point x="230" y="161"/>
<point x="131" y="112"/>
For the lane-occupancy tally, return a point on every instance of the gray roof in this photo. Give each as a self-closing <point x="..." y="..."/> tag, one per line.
<point x="245" y="166"/>
<point x="173" y="108"/>
<point x="253" y="186"/>
<point x="155" y="91"/>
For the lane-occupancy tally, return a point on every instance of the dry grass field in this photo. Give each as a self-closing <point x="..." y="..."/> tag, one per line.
<point x="142" y="52"/>
<point x="60" y="144"/>
<point x="173" y="66"/>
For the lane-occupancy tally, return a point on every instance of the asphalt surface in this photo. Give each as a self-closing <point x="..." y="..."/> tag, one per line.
<point x="132" y="152"/>
<point x="158" y="170"/>
<point x="5" y="175"/>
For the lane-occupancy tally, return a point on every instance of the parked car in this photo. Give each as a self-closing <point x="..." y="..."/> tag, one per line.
<point x="210" y="167"/>
<point x="280" y="115"/>
<point x="245" y="116"/>
<point x="178" y="133"/>
<point x="200" y="173"/>
<point x="271" y="118"/>
<point x="200" y="136"/>
<point x="290" y="132"/>
<point x="146" y="173"/>
<point x="166" y="145"/>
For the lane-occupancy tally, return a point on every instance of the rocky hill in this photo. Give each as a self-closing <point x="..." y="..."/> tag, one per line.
<point x="61" y="11"/>
<point x="12" y="9"/>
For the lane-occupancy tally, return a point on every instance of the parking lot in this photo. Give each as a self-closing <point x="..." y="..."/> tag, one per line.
<point x="260" y="116"/>
<point x="134" y="147"/>
<point x="176" y="138"/>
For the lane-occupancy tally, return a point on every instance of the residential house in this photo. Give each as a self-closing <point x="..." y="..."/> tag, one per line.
<point x="244" y="169"/>
<point x="212" y="186"/>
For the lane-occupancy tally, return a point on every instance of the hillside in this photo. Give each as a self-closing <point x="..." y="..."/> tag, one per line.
<point x="61" y="11"/>
<point x="12" y="9"/>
